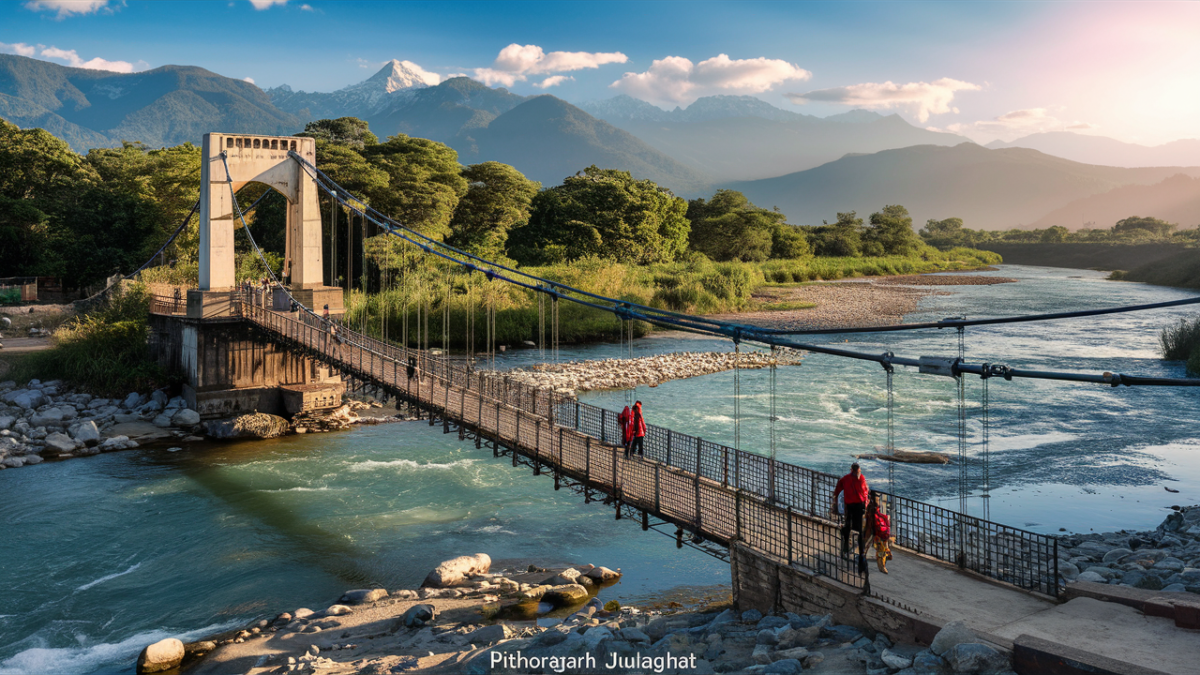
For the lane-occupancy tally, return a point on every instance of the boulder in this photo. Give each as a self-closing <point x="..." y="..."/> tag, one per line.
<point x="973" y="657"/>
<point x="1115" y="555"/>
<point x="565" y="595"/>
<point x="337" y="610"/>
<point x="953" y="633"/>
<point x="634" y="635"/>
<point x="117" y="443"/>
<point x="59" y="444"/>
<point x="895" y="660"/>
<point x="132" y="401"/>
<point x="186" y="418"/>
<point x="751" y="616"/>
<point x="362" y="596"/>
<point x="87" y="433"/>
<point x="418" y="615"/>
<point x="603" y="574"/>
<point x="767" y="636"/>
<point x="928" y="662"/>
<point x="453" y="571"/>
<point x="256" y="425"/>
<point x="162" y="655"/>
<point x="47" y="417"/>
<point x="488" y="634"/>
<point x="30" y="460"/>
<point x="1092" y="577"/>
<point x="567" y="576"/>
<point x="6" y="422"/>
<point x="162" y="421"/>
<point x="783" y="667"/>
<point x="160" y="397"/>
<point x="13" y="462"/>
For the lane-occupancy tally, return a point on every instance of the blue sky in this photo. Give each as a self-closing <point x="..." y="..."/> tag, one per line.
<point x="983" y="69"/>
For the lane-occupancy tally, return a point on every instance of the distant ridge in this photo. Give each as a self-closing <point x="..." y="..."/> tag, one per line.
<point x="734" y="138"/>
<point x="164" y="106"/>
<point x="1108" y="152"/>
<point x="988" y="189"/>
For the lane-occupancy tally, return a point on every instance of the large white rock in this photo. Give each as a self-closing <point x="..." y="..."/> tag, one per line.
<point x="186" y="418"/>
<point x="117" y="443"/>
<point x="453" y="571"/>
<point x="952" y="634"/>
<point x="47" y="417"/>
<point x="60" y="443"/>
<point x="87" y="433"/>
<point x="162" y="655"/>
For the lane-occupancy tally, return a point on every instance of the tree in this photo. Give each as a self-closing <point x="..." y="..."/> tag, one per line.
<point x="730" y="227"/>
<point x="1137" y="225"/>
<point x="605" y="213"/>
<point x="891" y="232"/>
<point x="1054" y="235"/>
<point x="347" y="131"/>
<point x="424" y="184"/>
<point x="498" y="199"/>
<point x="841" y="239"/>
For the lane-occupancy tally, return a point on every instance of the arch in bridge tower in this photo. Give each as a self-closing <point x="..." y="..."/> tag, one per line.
<point x="260" y="159"/>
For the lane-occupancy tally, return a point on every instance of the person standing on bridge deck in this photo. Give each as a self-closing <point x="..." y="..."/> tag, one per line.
<point x="879" y="532"/>
<point x="639" y="430"/>
<point x="854" y="488"/>
<point x="625" y="423"/>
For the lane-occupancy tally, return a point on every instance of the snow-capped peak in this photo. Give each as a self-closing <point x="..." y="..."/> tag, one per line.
<point x="395" y="76"/>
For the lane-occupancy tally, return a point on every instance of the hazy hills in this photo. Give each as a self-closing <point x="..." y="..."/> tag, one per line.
<point x="989" y="189"/>
<point x="165" y="106"/>
<point x="1108" y="152"/>
<point x="1175" y="200"/>
<point x="734" y="138"/>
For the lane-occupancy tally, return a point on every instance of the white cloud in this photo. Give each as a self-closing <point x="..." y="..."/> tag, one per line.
<point x="676" y="79"/>
<point x="65" y="8"/>
<point x="1018" y="123"/>
<point x="307" y="8"/>
<point x="71" y="58"/>
<point x="553" y="81"/>
<point x="18" y="48"/>
<point x="515" y="63"/>
<point x="924" y="98"/>
<point x="248" y="79"/>
<point x="267" y="4"/>
<point x="363" y="63"/>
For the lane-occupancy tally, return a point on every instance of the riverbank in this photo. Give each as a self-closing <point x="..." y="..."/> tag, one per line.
<point x="556" y="620"/>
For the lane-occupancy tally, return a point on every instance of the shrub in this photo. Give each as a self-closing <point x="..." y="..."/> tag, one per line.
<point x="1181" y="342"/>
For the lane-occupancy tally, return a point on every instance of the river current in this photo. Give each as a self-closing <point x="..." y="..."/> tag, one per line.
<point x="101" y="556"/>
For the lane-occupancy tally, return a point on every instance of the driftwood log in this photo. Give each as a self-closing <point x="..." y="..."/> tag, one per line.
<point x="907" y="456"/>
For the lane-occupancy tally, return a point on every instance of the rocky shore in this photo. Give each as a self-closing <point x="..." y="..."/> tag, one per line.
<point x="45" y="420"/>
<point x="42" y="421"/>
<point x="468" y="619"/>
<point x="578" y="376"/>
<point x="1165" y="559"/>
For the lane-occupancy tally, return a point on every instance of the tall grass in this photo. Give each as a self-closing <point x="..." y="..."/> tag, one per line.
<point x="1181" y="342"/>
<point x="105" y="352"/>
<point x="697" y="286"/>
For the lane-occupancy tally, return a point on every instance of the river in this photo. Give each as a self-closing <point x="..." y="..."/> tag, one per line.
<point x="101" y="556"/>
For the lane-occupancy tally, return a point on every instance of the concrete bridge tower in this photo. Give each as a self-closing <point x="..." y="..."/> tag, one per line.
<point x="258" y="159"/>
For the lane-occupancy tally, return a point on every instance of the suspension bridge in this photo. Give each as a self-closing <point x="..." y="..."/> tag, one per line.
<point x="733" y="503"/>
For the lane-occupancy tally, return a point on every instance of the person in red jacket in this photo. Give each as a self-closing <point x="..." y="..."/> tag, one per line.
<point x="625" y="423"/>
<point x="639" y="431"/>
<point x="854" y="488"/>
<point x="879" y="532"/>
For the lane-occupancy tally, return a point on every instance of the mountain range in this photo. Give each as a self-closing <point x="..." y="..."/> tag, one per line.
<point x="988" y="189"/>
<point x="1106" y="151"/>
<point x="164" y="106"/>
<point x="808" y="166"/>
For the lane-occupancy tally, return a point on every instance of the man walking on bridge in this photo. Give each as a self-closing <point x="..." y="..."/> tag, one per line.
<point x="638" y="428"/>
<point x="854" y="486"/>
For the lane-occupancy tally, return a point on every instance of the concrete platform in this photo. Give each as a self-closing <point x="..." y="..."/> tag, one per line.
<point x="941" y="593"/>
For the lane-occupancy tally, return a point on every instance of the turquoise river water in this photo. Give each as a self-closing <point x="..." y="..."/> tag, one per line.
<point x="101" y="556"/>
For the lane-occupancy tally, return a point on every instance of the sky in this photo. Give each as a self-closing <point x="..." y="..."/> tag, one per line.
<point x="985" y="70"/>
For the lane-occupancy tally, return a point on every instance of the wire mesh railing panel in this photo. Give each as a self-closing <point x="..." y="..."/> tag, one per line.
<point x="714" y="461"/>
<point x="754" y="473"/>
<point x="638" y="485"/>
<point x="678" y="495"/>
<point x="717" y="505"/>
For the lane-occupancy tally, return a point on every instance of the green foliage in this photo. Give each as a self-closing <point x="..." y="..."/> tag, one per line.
<point x="1054" y="235"/>
<point x="1181" y="269"/>
<point x="605" y="213"/>
<point x="1181" y="342"/>
<point x="424" y="182"/>
<point x="729" y="227"/>
<point x="498" y="199"/>
<point x="1137" y="225"/>
<point x="105" y="352"/>
<point x="891" y="233"/>
<point x="842" y="239"/>
<point x="350" y="132"/>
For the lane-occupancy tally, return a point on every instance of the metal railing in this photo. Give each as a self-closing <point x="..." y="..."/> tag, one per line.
<point x="715" y="491"/>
